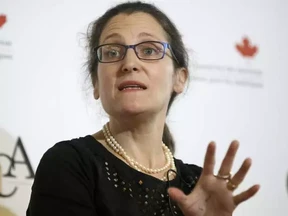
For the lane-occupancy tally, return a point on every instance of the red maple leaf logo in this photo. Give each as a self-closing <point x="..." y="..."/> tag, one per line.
<point x="3" y="20"/>
<point x="246" y="49"/>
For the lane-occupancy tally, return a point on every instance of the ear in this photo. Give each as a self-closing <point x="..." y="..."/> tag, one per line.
<point x="180" y="79"/>
<point x="96" y="91"/>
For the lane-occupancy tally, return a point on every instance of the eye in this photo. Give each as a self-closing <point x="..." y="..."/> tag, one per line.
<point x="112" y="51"/>
<point x="149" y="51"/>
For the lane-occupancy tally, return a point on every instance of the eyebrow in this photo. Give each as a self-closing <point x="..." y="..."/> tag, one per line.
<point x="111" y="36"/>
<point x="117" y="35"/>
<point x="146" y="34"/>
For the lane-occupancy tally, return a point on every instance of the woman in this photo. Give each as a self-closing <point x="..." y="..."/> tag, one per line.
<point x="138" y="65"/>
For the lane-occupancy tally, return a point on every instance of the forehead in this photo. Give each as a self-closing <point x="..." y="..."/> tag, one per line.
<point x="132" y="27"/>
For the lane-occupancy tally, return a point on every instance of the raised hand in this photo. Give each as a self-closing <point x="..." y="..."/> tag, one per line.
<point x="213" y="195"/>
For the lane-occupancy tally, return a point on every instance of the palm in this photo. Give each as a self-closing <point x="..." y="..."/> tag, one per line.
<point x="211" y="196"/>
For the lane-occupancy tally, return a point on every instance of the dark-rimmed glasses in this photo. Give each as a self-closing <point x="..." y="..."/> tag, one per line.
<point x="148" y="50"/>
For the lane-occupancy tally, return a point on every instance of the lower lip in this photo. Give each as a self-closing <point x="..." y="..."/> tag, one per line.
<point x="132" y="90"/>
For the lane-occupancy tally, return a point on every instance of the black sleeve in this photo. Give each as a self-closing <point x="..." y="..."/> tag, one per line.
<point x="190" y="174"/>
<point x="196" y="169"/>
<point x="63" y="184"/>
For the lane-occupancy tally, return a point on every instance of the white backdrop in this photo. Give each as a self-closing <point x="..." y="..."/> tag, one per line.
<point x="43" y="98"/>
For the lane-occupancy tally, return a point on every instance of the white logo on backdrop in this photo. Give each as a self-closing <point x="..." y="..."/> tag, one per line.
<point x="245" y="75"/>
<point x="5" y="44"/>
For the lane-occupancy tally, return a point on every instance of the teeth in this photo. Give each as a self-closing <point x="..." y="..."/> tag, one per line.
<point x="132" y="87"/>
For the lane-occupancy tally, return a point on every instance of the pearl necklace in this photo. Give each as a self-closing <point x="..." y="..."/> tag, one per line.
<point x="110" y="140"/>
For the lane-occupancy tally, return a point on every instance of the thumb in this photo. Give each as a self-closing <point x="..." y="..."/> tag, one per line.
<point x="178" y="196"/>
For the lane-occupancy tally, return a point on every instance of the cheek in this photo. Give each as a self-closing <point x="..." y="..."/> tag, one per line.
<point x="165" y="77"/>
<point x="106" y="80"/>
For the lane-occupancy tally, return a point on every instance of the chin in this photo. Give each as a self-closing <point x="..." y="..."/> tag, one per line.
<point x="132" y="110"/>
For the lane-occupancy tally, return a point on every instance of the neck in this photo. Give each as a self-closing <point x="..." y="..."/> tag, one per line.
<point x="141" y="139"/>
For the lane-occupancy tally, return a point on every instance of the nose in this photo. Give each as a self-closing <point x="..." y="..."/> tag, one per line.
<point x="130" y="62"/>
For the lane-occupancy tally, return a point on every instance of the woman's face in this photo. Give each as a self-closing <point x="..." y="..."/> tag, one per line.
<point x="158" y="78"/>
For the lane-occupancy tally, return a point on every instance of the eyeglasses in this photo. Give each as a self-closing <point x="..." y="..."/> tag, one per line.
<point x="148" y="50"/>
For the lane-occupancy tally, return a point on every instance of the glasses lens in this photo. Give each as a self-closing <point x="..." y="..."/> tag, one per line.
<point x="110" y="52"/>
<point x="150" y="50"/>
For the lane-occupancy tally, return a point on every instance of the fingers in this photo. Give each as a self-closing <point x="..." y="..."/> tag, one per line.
<point x="209" y="161"/>
<point x="246" y="194"/>
<point x="238" y="178"/>
<point x="228" y="160"/>
<point x="240" y="175"/>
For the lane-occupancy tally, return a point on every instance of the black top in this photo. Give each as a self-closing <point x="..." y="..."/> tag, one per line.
<point x="80" y="177"/>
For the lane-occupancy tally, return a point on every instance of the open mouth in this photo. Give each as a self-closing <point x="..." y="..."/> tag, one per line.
<point x="131" y="86"/>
